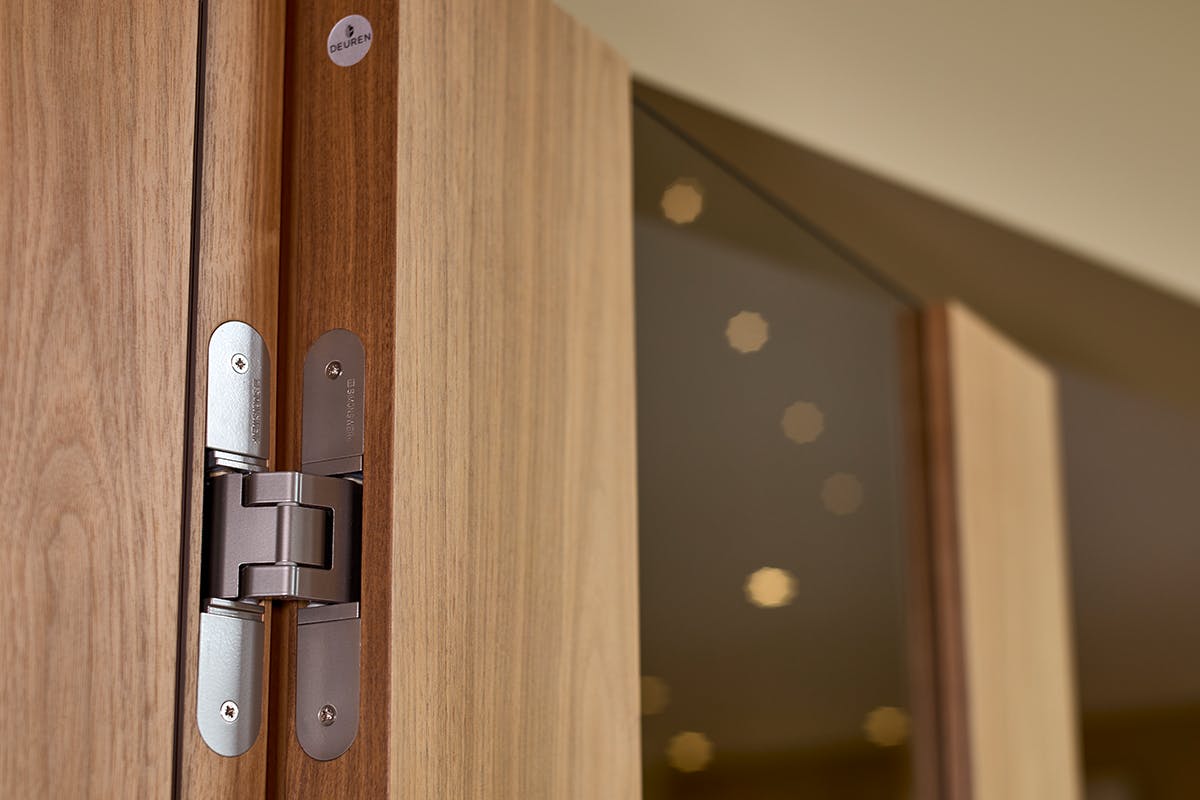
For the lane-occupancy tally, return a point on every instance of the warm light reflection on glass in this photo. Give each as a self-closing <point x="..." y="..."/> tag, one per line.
<point x="746" y="332"/>
<point x="803" y="422"/>
<point x="689" y="751"/>
<point x="770" y="587"/>
<point x="656" y="694"/>
<point x="753" y="470"/>
<point x="683" y="201"/>
<point x="886" y="726"/>
<point x="842" y="494"/>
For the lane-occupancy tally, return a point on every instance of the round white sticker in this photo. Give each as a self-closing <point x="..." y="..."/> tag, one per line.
<point x="349" y="40"/>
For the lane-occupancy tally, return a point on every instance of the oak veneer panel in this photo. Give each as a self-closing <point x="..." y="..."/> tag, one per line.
<point x="237" y="278"/>
<point x="461" y="200"/>
<point x="96" y="145"/>
<point x="1007" y="656"/>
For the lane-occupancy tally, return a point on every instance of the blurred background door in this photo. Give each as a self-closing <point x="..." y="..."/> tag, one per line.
<point x="853" y="581"/>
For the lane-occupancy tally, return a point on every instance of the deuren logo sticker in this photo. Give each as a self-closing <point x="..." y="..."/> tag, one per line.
<point x="349" y="40"/>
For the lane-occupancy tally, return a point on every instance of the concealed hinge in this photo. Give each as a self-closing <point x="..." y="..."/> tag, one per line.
<point x="281" y="536"/>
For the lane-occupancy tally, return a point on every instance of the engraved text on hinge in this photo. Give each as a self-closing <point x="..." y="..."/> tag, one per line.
<point x="255" y="410"/>
<point x="351" y="406"/>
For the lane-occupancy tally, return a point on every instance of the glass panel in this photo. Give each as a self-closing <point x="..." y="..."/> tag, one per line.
<point x="1131" y="505"/>
<point x="774" y="496"/>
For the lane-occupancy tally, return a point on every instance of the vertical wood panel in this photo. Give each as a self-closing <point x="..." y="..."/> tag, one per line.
<point x="461" y="200"/>
<point x="96" y="157"/>
<point x="1006" y="649"/>
<point x="948" y="649"/>
<point x="338" y="270"/>
<point x="237" y="278"/>
<point x="927" y="753"/>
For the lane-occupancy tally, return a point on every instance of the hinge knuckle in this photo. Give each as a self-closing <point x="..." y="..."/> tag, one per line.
<point x="301" y="535"/>
<point x="283" y="535"/>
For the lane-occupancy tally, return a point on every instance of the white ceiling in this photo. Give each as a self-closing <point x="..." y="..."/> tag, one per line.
<point x="1078" y="123"/>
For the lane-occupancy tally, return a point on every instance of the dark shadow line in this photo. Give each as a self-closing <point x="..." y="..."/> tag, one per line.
<point x="191" y="382"/>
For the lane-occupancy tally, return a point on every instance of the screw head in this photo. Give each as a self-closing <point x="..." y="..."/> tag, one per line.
<point x="239" y="363"/>
<point x="326" y="714"/>
<point x="333" y="370"/>
<point x="229" y="711"/>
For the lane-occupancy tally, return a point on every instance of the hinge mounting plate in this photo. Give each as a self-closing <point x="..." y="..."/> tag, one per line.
<point x="281" y="536"/>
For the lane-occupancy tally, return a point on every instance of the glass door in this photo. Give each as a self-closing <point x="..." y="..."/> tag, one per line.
<point x="779" y="502"/>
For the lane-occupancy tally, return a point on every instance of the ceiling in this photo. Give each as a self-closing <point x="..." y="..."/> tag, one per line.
<point x="1074" y="123"/>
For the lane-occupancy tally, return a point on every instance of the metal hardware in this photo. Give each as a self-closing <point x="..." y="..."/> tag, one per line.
<point x="239" y="400"/>
<point x="327" y="656"/>
<point x="237" y="438"/>
<point x="281" y="536"/>
<point x="328" y="637"/>
<point x="333" y="394"/>
<point x="231" y="664"/>
<point x="285" y="535"/>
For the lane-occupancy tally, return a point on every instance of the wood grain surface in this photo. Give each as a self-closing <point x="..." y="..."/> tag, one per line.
<point x="96" y="145"/>
<point x="947" y="648"/>
<point x="1007" y="671"/>
<point x="237" y="278"/>
<point x="461" y="200"/>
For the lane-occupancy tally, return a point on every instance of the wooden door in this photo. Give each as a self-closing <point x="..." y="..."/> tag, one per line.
<point x="96" y="166"/>
<point x="237" y="275"/>
<point x="1005" y="671"/>
<point x="460" y="200"/>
